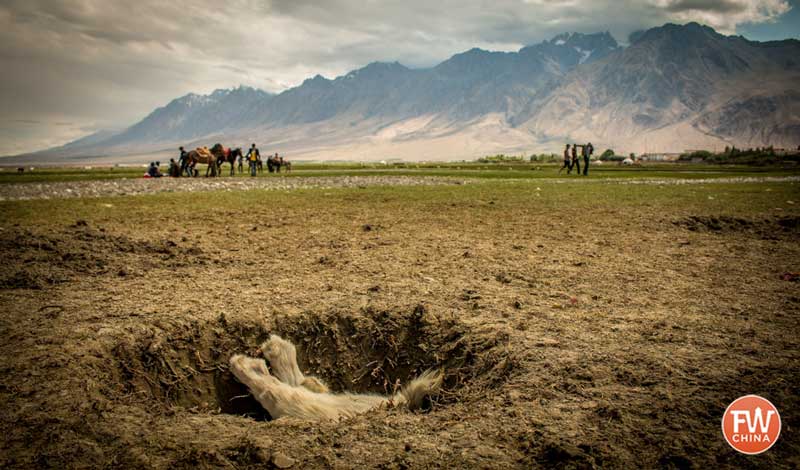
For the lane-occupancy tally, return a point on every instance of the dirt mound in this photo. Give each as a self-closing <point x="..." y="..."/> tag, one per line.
<point x="37" y="260"/>
<point x="187" y="366"/>
<point x="767" y="227"/>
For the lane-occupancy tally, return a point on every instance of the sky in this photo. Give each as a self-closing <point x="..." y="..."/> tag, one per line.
<point x="73" y="67"/>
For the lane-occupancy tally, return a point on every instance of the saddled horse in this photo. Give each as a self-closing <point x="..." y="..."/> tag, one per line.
<point x="202" y="155"/>
<point x="226" y="155"/>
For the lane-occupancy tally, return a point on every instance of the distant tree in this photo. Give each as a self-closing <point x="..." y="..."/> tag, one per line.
<point x="607" y="154"/>
<point x="633" y="156"/>
<point x="697" y="155"/>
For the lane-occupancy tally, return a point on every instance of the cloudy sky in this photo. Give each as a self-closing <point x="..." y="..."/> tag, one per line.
<point x="71" y="67"/>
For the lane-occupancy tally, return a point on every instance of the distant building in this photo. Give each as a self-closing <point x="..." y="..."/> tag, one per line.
<point x="659" y="157"/>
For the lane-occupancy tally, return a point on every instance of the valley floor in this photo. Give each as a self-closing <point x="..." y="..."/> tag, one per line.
<point x="580" y="323"/>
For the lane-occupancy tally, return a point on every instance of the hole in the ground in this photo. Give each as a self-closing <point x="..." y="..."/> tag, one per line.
<point x="234" y="398"/>
<point x="186" y="366"/>
<point x="375" y="351"/>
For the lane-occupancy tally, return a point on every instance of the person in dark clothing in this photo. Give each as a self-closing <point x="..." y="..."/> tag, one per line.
<point x="174" y="169"/>
<point x="183" y="161"/>
<point x="253" y="156"/>
<point x="567" y="161"/>
<point x="575" y="162"/>
<point x="153" y="171"/>
<point x="588" y="149"/>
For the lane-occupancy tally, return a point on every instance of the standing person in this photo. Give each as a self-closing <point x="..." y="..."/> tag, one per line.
<point x="183" y="160"/>
<point x="567" y="161"/>
<point x="588" y="149"/>
<point x="252" y="156"/>
<point x="575" y="162"/>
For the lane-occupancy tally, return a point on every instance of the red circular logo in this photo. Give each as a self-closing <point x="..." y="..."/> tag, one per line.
<point x="751" y="424"/>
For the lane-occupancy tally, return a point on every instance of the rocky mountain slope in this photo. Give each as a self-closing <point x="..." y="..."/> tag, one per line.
<point x="673" y="88"/>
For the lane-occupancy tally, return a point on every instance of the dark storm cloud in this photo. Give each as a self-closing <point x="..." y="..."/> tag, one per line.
<point x="105" y="64"/>
<point x="719" y="6"/>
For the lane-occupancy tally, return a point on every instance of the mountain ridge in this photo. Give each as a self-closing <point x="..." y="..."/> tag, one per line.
<point x="681" y="79"/>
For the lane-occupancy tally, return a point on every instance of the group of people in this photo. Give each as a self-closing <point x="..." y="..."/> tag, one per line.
<point x="186" y="163"/>
<point x="253" y="158"/>
<point x="153" y="171"/>
<point x="571" y="159"/>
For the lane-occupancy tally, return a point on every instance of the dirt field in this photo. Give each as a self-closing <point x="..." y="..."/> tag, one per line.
<point x="579" y="325"/>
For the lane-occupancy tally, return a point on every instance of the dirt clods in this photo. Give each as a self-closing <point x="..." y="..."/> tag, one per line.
<point x="767" y="227"/>
<point x="37" y="260"/>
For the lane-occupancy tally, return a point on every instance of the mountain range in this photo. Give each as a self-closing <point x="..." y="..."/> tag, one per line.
<point x="672" y="88"/>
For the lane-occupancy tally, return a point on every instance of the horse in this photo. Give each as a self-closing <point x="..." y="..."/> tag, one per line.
<point x="274" y="164"/>
<point x="202" y="155"/>
<point x="233" y="156"/>
<point x="225" y="155"/>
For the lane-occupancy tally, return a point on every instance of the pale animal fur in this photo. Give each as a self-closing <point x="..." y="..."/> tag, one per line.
<point x="290" y="393"/>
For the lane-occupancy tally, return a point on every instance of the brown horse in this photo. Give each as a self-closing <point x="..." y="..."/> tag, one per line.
<point x="202" y="155"/>
<point x="221" y="155"/>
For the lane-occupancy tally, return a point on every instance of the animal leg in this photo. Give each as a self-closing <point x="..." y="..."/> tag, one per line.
<point x="272" y="394"/>
<point x="315" y="385"/>
<point x="282" y="357"/>
<point x="281" y="399"/>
